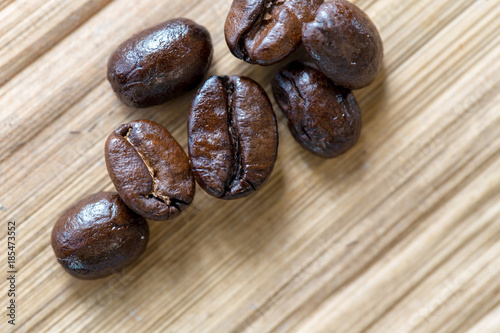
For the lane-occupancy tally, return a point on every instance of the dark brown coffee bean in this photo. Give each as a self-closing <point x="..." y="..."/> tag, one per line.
<point x="344" y="44"/>
<point x="323" y="118"/>
<point x="233" y="136"/>
<point x="265" y="32"/>
<point x="160" y="63"/>
<point x="99" y="236"/>
<point x="150" y="170"/>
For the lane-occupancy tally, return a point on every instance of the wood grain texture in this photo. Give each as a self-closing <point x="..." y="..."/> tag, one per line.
<point x="401" y="234"/>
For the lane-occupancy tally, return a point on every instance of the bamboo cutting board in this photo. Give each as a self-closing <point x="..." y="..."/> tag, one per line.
<point x="401" y="234"/>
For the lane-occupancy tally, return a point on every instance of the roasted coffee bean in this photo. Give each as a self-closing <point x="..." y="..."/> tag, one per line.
<point x="323" y="118"/>
<point x="265" y="32"/>
<point x="99" y="236"/>
<point x="160" y="63"/>
<point x="150" y="170"/>
<point x="344" y="44"/>
<point x="233" y="136"/>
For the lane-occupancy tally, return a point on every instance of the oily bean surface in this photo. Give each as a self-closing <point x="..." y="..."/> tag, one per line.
<point x="99" y="236"/>
<point x="345" y="44"/>
<point x="323" y="118"/>
<point x="160" y="63"/>
<point x="265" y="32"/>
<point x="149" y="169"/>
<point x="233" y="137"/>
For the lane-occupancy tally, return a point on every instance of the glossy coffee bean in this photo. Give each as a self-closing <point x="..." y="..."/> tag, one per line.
<point x="265" y="32"/>
<point x="233" y="137"/>
<point x="99" y="236"/>
<point x="149" y="169"/>
<point x="323" y="118"/>
<point x="160" y="63"/>
<point x="344" y="44"/>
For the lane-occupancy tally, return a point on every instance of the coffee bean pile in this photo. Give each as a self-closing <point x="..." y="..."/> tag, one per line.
<point x="232" y="128"/>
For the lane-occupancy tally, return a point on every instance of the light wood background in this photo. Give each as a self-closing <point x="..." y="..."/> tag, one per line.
<point x="402" y="234"/>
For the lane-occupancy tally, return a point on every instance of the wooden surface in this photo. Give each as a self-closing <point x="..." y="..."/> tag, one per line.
<point x="399" y="235"/>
